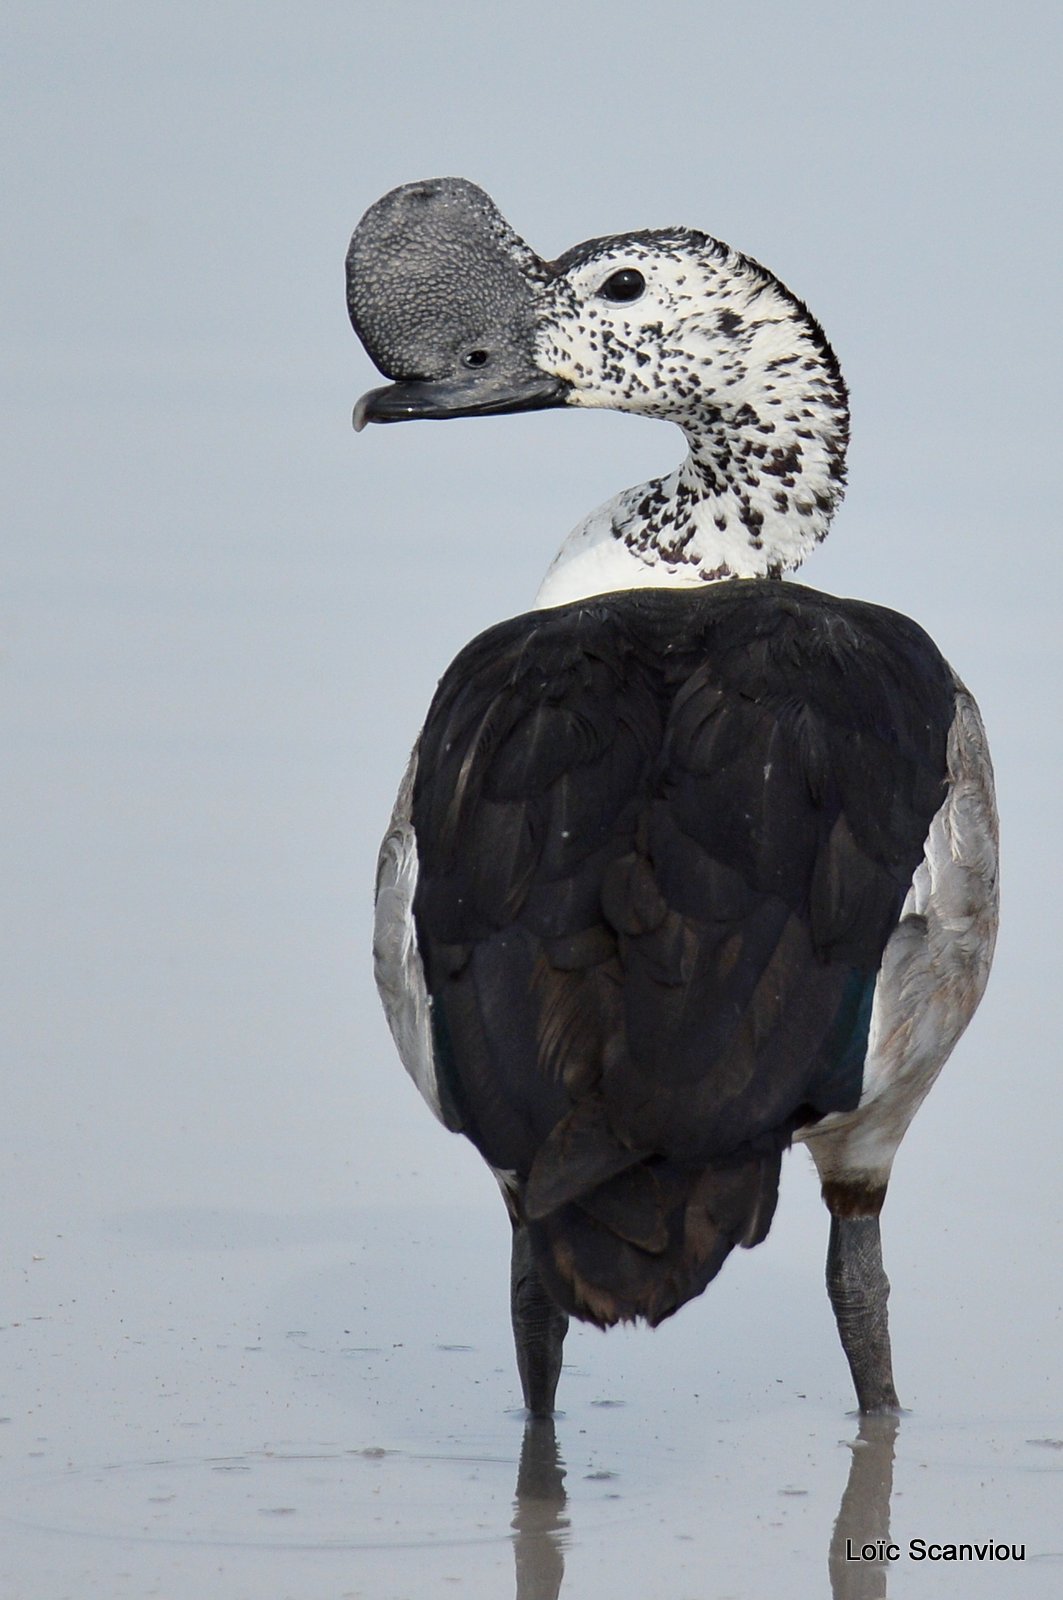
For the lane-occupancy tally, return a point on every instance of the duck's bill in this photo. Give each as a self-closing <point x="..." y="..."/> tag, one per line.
<point x="425" y="399"/>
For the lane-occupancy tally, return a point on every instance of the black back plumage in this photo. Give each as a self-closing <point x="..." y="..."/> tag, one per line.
<point x="663" y="839"/>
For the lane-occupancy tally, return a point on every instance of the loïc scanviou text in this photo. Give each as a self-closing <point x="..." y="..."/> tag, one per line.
<point x="881" y="1550"/>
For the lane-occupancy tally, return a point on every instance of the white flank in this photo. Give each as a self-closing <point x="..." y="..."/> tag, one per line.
<point x="396" y="958"/>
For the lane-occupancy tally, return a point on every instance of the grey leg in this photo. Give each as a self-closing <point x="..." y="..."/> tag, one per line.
<point x="859" y="1289"/>
<point x="539" y="1328"/>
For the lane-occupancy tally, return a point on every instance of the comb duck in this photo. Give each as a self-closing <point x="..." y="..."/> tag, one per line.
<point x="690" y="862"/>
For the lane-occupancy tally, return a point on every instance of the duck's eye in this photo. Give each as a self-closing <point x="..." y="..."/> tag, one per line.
<point x="625" y="285"/>
<point x="475" y="358"/>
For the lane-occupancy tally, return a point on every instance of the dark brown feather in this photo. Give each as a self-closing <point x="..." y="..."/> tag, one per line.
<point x="663" y="839"/>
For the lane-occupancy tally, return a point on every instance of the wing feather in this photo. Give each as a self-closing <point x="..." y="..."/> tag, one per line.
<point x="664" y="838"/>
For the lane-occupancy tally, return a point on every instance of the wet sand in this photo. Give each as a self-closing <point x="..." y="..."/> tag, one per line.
<point x="201" y="1408"/>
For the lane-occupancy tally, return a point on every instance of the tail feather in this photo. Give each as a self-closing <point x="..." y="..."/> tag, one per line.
<point x="651" y="1238"/>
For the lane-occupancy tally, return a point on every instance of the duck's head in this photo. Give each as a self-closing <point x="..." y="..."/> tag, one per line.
<point x="452" y="303"/>
<point x="671" y="324"/>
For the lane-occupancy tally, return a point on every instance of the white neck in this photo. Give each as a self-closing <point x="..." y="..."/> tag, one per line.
<point x="756" y="493"/>
<point x="678" y="532"/>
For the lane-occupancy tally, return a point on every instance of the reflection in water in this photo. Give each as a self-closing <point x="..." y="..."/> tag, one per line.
<point x="538" y="1527"/>
<point x="864" y="1514"/>
<point x="540" y="1530"/>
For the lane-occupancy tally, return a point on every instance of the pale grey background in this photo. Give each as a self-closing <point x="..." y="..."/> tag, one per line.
<point x="233" y="1238"/>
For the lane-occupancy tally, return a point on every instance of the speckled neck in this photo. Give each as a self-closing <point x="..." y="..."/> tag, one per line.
<point x="750" y="378"/>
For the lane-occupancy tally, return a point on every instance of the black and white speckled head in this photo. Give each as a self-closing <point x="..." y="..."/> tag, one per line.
<point x="674" y="324"/>
<point x="441" y="292"/>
